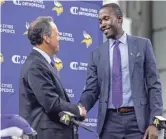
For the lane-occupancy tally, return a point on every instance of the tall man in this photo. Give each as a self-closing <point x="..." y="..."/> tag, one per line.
<point x="123" y="75"/>
<point x="42" y="95"/>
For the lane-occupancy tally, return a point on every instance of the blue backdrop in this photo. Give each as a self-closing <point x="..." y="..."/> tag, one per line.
<point x="79" y="35"/>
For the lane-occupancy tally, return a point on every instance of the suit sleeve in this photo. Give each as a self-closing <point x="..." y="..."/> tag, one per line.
<point x="40" y="81"/>
<point x="153" y="83"/>
<point x="91" y="92"/>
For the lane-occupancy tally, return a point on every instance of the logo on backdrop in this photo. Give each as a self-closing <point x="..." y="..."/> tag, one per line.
<point x="6" y="88"/>
<point x="70" y="93"/>
<point x="78" y="66"/>
<point x="2" y="2"/>
<point x="1" y="58"/>
<point x="81" y="11"/>
<point x="58" y="63"/>
<point x="27" y="26"/>
<point x="58" y="8"/>
<point x="17" y="59"/>
<point x="30" y="3"/>
<point x="87" y="39"/>
<point x="64" y="36"/>
<point x="90" y="122"/>
<point x="6" y="28"/>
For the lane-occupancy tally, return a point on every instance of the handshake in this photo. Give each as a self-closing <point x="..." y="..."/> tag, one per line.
<point x="83" y="111"/>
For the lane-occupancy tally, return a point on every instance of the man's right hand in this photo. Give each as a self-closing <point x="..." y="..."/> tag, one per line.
<point x="83" y="110"/>
<point x="82" y="113"/>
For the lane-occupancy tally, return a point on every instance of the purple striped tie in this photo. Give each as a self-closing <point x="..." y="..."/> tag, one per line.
<point x="116" y="77"/>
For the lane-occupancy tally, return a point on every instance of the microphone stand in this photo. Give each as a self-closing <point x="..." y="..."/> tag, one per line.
<point x="75" y="131"/>
<point x="75" y="125"/>
<point x="163" y="126"/>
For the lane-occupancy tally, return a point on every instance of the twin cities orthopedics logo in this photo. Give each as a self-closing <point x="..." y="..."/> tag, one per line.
<point x="82" y="11"/>
<point x="6" y="88"/>
<point x="18" y="59"/>
<point x="90" y="122"/>
<point x="78" y="66"/>
<point x="30" y="3"/>
<point x="66" y="36"/>
<point x="70" y="93"/>
<point x="58" y="8"/>
<point x="7" y="28"/>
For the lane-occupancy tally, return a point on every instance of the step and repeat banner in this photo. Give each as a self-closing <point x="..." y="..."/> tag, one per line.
<point x="79" y="32"/>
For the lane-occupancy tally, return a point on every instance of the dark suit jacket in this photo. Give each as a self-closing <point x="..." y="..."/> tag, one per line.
<point x="144" y="78"/>
<point x="42" y="95"/>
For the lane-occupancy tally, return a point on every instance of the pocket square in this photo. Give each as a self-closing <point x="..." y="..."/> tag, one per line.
<point x="138" y="54"/>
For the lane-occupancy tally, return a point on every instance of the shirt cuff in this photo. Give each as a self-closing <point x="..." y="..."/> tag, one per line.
<point x="80" y="110"/>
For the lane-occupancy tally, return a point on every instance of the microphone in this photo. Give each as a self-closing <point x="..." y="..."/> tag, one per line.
<point x="160" y="122"/>
<point x="68" y="119"/>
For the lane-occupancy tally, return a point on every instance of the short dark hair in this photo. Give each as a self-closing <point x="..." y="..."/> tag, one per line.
<point x="116" y="8"/>
<point x="41" y="26"/>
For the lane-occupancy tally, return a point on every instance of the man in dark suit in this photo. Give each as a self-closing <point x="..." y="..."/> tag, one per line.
<point x="42" y="95"/>
<point x="122" y="73"/>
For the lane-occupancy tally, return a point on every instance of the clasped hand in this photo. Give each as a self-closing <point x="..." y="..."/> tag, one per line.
<point x="83" y="111"/>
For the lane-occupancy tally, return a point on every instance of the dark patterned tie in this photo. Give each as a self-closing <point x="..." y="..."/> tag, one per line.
<point x="116" y="77"/>
<point x="54" y="68"/>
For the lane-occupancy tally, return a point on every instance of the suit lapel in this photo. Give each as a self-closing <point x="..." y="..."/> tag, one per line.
<point x="105" y="65"/>
<point x="105" y="59"/>
<point x="132" y="49"/>
<point x="59" y="82"/>
<point x="36" y="53"/>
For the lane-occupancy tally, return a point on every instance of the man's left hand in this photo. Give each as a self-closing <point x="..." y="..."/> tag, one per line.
<point x="151" y="133"/>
